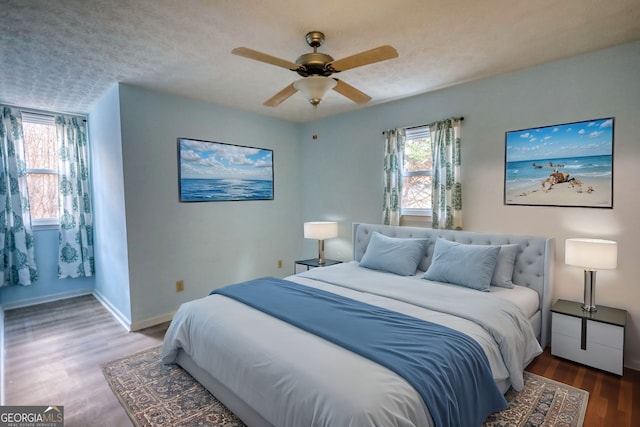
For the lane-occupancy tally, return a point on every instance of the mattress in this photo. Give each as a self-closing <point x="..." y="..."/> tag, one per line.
<point x="526" y="299"/>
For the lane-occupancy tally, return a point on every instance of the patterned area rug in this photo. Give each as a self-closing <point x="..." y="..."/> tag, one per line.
<point x="154" y="394"/>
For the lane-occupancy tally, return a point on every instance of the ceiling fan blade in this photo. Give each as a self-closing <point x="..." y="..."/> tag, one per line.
<point x="377" y="54"/>
<point x="351" y="92"/>
<point x="263" y="57"/>
<point x="281" y="96"/>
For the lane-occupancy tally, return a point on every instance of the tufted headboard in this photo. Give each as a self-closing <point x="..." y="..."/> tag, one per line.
<point x="533" y="266"/>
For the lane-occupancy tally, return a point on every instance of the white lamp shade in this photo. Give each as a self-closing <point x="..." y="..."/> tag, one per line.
<point x="314" y="88"/>
<point x="320" y="230"/>
<point x="594" y="254"/>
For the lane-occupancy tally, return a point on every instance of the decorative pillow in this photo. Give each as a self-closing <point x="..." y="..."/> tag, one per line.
<point x="465" y="265"/>
<point x="393" y="255"/>
<point x="503" y="274"/>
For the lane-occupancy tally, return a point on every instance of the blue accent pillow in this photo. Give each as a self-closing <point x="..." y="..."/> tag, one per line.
<point x="393" y="255"/>
<point x="465" y="265"/>
<point x="503" y="274"/>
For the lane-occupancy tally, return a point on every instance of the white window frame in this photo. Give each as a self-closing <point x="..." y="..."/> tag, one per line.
<point x="44" y="119"/>
<point x="410" y="134"/>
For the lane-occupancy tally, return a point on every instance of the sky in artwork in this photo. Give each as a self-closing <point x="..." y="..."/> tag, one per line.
<point x="588" y="138"/>
<point x="212" y="160"/>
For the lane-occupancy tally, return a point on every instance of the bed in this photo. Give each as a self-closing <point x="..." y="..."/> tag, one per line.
<point x="271" y="371"/>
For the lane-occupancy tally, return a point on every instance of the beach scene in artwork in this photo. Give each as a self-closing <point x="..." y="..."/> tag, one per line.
<point x="561" y="165"/>
<point x="211" y="171"/>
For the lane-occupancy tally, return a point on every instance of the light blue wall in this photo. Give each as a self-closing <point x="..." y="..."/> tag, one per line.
<point x="48" y="287"/>
<point x="205" y="244"/>
<point x="110" y="227"/>
<point x="145" y="239"/>
<point x="346" y="160"/>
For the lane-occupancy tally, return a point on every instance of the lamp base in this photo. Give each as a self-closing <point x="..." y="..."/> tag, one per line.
<point x="321" y="259"/>
<point x="589" y="291"/>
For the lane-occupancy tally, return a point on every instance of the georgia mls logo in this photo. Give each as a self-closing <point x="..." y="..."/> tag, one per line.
<point x="31" y="416"/>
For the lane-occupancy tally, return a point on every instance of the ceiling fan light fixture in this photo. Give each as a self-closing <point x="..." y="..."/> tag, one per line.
<point x="315" y="88"/>
<point x="315" y="68"/>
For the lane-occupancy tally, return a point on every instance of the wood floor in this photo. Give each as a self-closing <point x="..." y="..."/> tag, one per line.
<point x="53" y="354"/>
<point x="613" y="401"/>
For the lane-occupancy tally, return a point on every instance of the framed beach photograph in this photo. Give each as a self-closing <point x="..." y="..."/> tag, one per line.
<point x="215" y="171"/>
<point x="561" y="165"/>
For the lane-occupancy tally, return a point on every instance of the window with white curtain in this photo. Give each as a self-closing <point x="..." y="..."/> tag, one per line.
<point x="41" y="157"/>
<point x="416" y="173"/>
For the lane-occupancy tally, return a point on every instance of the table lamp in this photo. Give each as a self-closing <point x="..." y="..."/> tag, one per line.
<point x="593" y="255"/>
<point x="320" y="230"/>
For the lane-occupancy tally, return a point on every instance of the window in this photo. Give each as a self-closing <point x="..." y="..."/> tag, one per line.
<point x="40" y="149"/>
<point x="416" y="172"/>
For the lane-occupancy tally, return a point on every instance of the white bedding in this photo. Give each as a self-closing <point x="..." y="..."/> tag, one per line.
<point x="526" y="299"/>
<point x="293" y="378"/>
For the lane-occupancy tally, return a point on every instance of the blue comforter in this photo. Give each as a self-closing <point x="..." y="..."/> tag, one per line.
<point x="447" y="368"/>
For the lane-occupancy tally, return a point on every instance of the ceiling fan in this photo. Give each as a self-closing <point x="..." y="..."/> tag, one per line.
<point x="316" y="68"/>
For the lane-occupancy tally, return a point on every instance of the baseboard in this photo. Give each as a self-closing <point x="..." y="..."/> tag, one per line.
<point x="117" y="314"/>
<point x="126" y="323"/>
<point x="152" y="321"/>
<point x="47" y="298"/>
<point x="633" y="364"/>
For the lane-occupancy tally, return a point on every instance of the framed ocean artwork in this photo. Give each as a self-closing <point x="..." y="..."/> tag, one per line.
<point x="215" y="171"/>
<point x="569" y="164"/>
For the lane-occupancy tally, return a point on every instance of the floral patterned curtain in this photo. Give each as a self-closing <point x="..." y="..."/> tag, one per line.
<point x="393" y="161"/>
<point x="16" y="237"/>
<point x="446" y="181"/>
<point x="76" y="224"/>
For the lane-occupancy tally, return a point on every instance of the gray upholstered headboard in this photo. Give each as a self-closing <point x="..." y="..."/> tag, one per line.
<point x="533" y="265"/>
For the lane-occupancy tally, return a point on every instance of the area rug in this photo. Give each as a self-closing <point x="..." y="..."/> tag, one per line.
<point x="154" y="394"/>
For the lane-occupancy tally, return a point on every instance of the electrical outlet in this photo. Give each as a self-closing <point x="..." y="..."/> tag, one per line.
<point x="179" y="285"/>
<point x="279" y="263"/>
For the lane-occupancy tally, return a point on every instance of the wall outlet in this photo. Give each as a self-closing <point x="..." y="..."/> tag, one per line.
<point x="279" y="263"/>
<point x="179" y="285"/>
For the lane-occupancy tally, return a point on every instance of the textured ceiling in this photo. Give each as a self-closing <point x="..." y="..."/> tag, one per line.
<point x="63" y="55"/>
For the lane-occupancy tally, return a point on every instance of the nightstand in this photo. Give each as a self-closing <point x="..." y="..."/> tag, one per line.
<point x="592" y="338"/>
<point x="307" y="264"/>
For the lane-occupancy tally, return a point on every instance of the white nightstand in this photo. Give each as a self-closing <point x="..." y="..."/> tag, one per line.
<point x="303" y="265"/>
<point x="592" y="338"/>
